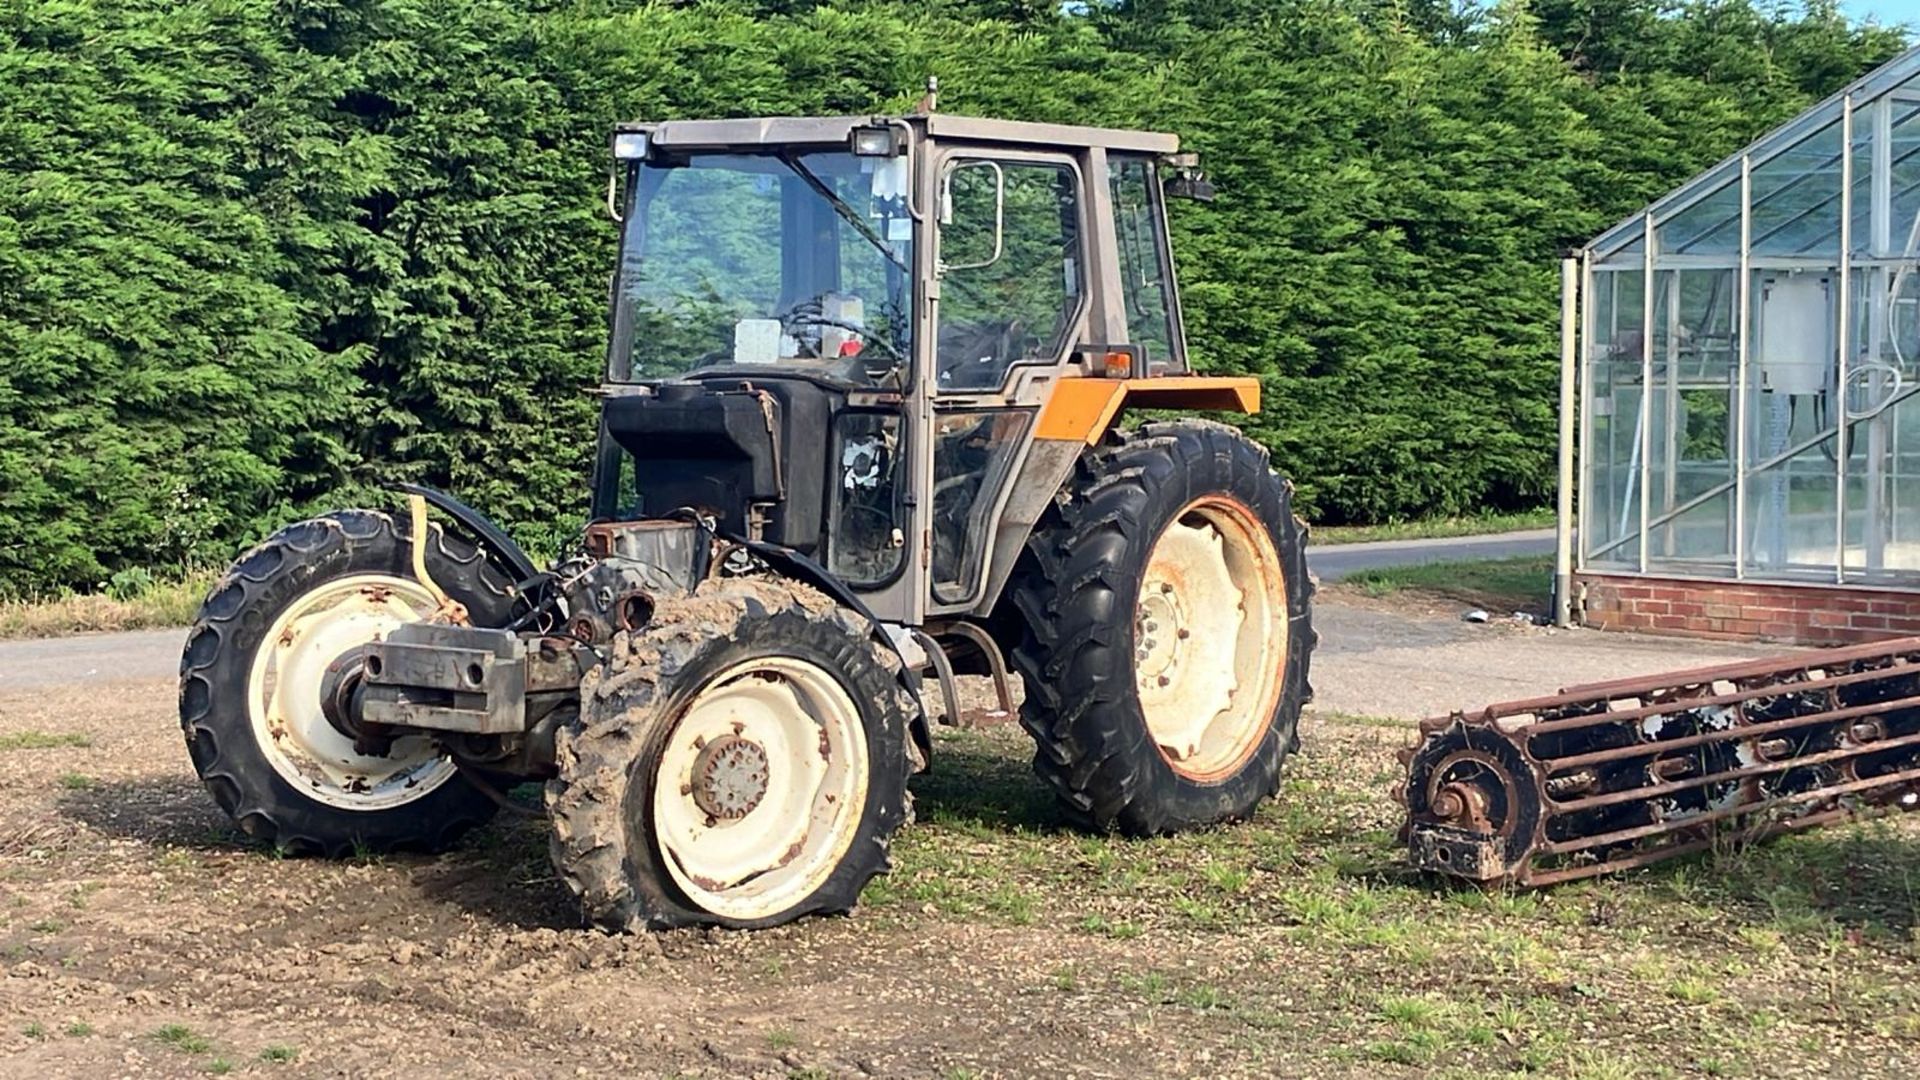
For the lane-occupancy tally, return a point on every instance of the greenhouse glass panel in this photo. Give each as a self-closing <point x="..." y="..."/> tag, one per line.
<point x="1626" y="250"/>
<point x="1613" y="465"/>
<point x="1708" y="227"/>
<point x="1791" y="503"/>
<point x="1796" y="198"/>
<point x="1886" y="179"/>
<point x="1883" y="494"/>
<point x="1691" y="453"/>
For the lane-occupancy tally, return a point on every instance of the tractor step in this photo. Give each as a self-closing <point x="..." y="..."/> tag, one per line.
<point x="1617" y="775"/>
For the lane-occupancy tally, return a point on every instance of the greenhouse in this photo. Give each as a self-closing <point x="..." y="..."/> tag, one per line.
<point x="1751" y="348"/>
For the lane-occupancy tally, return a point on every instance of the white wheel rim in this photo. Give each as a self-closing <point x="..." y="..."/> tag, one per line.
<point x="760" y="788"/>
<point x="284" y="691"/>
<point x="1210" y="637"/>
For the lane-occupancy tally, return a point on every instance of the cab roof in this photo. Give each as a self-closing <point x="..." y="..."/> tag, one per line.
<point x="829" y="130"/>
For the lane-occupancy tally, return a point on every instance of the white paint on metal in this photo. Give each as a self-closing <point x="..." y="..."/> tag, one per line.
<point x="1210" y="637"/>
<point x="1743" y="346"/>
<point x="1563" y="534"/>
<point x="283" y="696"/>
<point x="1837" y="407"/>
<point x="810" y="804"/>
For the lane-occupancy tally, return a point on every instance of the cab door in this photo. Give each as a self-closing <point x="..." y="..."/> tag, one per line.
<point x="1012" y="296"/>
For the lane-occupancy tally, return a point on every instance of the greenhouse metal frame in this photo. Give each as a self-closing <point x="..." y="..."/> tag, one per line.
<point x="1751" y="359"/>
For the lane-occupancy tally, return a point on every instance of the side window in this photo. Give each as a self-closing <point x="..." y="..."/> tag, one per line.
<point x="1011" y="270"/>
<point x="1145" y="276"/>
<point x="864" y="544"/>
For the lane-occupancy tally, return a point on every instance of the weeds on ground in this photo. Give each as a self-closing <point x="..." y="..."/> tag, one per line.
<point x="1431" y="528"/>
<point x="42" y="740"/>
<point x="1307" y="934"/>
<point x="130" y="600"/>
<point x="183" y="1038"/>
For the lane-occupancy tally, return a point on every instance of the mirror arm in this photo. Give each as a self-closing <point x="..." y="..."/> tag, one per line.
<point x="941" y="266"/>
<point x="916" y="212"/>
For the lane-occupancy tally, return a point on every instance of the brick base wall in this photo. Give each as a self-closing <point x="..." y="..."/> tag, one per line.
<point x="1798" y="614"/>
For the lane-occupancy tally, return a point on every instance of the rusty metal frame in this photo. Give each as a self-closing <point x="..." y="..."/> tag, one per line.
<point x="1752" y="749"/>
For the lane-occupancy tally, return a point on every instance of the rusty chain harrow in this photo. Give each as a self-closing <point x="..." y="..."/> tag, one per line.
<point x="1620" y="774"/>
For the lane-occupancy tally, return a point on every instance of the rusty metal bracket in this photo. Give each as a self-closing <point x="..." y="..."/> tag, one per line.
<point x="943" y="669"/>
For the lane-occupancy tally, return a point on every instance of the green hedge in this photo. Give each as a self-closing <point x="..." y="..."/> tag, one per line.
<point x="257" y="259"/>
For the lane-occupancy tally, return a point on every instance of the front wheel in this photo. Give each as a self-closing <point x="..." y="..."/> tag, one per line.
<point x="741" y="761"/>
<point x="1166" y="602"/>
<point x="266" y="649"/>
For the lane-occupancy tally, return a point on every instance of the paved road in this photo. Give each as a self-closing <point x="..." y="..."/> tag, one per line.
<point x="1388" y="663"/>
<point x="94" y="659"/>
<point x="1336" y="561"/>
<point x="89" y="659"/>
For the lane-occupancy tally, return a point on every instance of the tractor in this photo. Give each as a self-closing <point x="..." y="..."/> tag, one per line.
<point x="859" y="427"/>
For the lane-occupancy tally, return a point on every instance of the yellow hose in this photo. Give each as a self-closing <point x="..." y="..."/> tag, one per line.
<point x="417" y="508"/>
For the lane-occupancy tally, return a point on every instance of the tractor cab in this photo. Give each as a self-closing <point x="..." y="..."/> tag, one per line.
<point x="836" y="334"/>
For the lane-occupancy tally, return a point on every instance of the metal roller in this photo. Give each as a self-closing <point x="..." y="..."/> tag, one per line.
<point x="1620" y="774"/>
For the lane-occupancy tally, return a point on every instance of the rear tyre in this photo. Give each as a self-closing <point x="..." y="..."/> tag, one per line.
<point x="741" y="761"/>
<point x="1168" y="631"/>
<point x="257" y="657"/>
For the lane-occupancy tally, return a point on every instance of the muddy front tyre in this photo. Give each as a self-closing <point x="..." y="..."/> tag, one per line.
<point x="741" y="761"/>
<point x="1166" y="601"/>
<point x="257" y="659"/>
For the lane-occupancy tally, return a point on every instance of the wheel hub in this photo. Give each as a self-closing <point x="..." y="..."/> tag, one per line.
<point x="730" y="777"/>
<point x="304" y="689"/>
<point x="1210" y="637"/>
<point x="1159" y="632"/>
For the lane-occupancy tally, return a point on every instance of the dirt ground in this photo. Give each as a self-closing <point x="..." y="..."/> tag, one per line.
<point x="140" y="935"/>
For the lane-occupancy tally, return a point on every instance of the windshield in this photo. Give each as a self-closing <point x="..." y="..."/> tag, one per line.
<point x="794" y="263"/>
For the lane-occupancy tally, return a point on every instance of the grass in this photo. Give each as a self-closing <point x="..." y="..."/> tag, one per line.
<point x="1301" y="940"/>
<point x="183" y="1039"/>
<point x="1432" y="528"/>
<point x="1523" y="583"/>
<point x="134" y="602"/>
<point x="42" y="740"/>
<point x="279" y="1055"/>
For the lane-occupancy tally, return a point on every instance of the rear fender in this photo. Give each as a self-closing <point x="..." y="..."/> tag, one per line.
<point x="1077" y="415"/>
<point x="494" y="541"/>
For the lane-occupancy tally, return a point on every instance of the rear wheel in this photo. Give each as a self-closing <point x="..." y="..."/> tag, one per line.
<point x="1166" y="601"/>
<point x="741" y="761"/>
<point x="265" y="651"/>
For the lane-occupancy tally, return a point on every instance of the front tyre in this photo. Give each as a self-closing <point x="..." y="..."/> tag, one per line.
<point x="257" y="664"/>
<point x="740" y="761"/>
<point x="1166" y="601"/>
